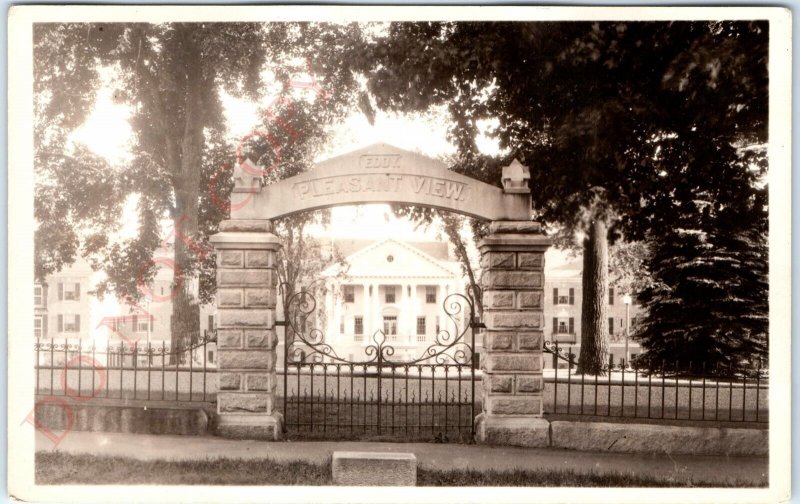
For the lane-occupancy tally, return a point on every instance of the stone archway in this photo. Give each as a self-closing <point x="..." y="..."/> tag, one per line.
<point x="512" y="259"/>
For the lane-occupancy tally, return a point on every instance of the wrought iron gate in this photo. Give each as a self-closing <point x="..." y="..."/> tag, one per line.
<point x="428" y="397"/>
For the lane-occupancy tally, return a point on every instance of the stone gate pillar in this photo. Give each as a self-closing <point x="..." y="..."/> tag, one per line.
<point x="246" y="339"/>
<point x="512" y="263"/>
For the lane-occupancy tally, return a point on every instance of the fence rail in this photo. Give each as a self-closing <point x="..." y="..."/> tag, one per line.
<point x="150" y="372"/>
<point x="630" y="391"/>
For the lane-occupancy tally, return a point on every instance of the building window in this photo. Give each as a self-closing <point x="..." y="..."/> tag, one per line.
<point x="69" y="323"/>
<point x="390" y="327"/>
<point x="38" y="326"/>
<point x="211" y="356"/>
<point x="421" y="329"/>
<point x="390" y="298"/>
<point x="358" y="329"/>
<point x="142" y="324"/>
<point x="69" y="292"/>
<point x="349" y="294"/>
<point x="561" y="299"/>
<point x="437" y="325"/>
<point x="611" y="325"/>
<point x="211" y="325"/>
<point x="430" y="294"/>
<point x="38" y="295"/>
<point x="564" y="326"/>
<point x="611" y="295"/>
<point x="341" y="325"/>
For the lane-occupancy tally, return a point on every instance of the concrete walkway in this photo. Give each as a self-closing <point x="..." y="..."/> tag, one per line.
<point x="438" y="456"/>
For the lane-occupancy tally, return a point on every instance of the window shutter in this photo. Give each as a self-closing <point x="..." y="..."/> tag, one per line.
<point x="44" y="296"/>
<point x="611" y="295"/>
<point x="151" y="323"/>
<point x="135" y="323"/>
<point x="555" y="296"/>
<point x="77" y="291"/>
<point x="77" y="323"/>
<point x="572" y="325"/>
<point x="610" y="325"/>
<point x="60" y="323"/>
<point x="555" y="324"/>
<point x="571" y="296"/>
<point x="211" y="322"/>
<point x="60" y="291"/>
<point x="44" y="325"/>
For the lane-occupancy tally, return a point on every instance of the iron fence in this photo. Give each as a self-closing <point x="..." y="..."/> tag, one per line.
<point x="629" y="390"/>
<point x="432" y="396"/>
<point x="82" y="370"/>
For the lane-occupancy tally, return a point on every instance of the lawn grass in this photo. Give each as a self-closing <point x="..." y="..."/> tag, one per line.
<point x="53" y="468"/>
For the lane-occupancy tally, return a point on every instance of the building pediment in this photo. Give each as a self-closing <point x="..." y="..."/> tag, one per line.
<point x="394" y="259"/>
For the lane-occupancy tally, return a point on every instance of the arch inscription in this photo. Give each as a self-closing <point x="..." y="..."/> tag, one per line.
<point x="382" y="174"/>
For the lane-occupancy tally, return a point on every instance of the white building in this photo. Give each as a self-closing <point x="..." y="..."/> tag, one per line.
<point x="562" y="311"/>
<point x="395" y="287"/>
<point x="62" y="304"/>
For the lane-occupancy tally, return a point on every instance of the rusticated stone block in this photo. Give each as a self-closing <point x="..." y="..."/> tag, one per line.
<point x="530" y="260"/>
<point x="245" y="403"/>
<point x="246" y="277"/>
<point x="246" y="226"/>
<point x="262" y="338"/>
<point x="513" y="431"/>
<point x="229" y="297"/>
<point x="230" y="381"/>
<point x="374" y="469"/>
<point x="229" y="338"/>
<point x="529" y="299"/>
<point x="509" y="319"/>
<point x="512" y="279"/>
<point x="259" y="258"/>
<point x="247" y="359"/>
<point x="514" y="405"/>
<point x="501" y="383"/>
<point x="231" y="258"/>
<point x="498" y="299"/>
<point x="498" y="340"/>
<point x="260" y="298"/>
<point x="529" y="384"/>
<point x="525" y="227"/>
<point x="245" y="425"/>
<point x="529" y="341"/>
<point x="498" y="260"/>
<point x="250" y="318"/>
<point x="260" y="382"/>
<point x="513" y="362"/>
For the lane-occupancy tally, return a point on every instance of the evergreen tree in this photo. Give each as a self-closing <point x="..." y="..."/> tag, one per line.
<point x="599" y="111"/>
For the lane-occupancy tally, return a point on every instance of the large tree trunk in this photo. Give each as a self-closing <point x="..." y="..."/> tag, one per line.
<point x="594" y="314"/>
<point x="186" y="170"/>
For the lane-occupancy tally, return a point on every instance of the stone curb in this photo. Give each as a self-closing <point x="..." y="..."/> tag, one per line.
<point x="648" y="438"/>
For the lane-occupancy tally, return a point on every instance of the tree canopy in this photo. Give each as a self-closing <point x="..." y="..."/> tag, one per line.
<point x="172" y="76"/>
<point x="617" y="120"/>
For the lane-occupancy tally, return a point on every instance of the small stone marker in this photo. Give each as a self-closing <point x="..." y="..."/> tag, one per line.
<point x="374" y="469"/>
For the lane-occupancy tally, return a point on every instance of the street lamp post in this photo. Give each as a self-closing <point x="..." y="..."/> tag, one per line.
<point x="627" y="300"/>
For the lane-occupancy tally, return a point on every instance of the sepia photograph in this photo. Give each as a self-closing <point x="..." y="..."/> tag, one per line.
<point x="517" y="253"/>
